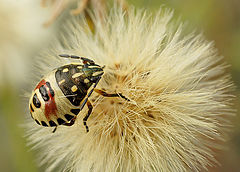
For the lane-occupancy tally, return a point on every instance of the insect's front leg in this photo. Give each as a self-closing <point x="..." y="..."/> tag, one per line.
<point x="90" y="107"/>
<point x="103" y="93"/>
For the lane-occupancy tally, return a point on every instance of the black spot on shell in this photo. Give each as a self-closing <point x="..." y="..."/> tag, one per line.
<point x="50" y="88"/>
<point x="68" y="117"/>
<point x="36" y="101"/>
<point x="60" y="121"/>
<point x="75" y="111"/>
<point x="52" y="124"/>
<point x="44" y="124"/>
<point x="37" y="122"/>
<point x="44" y="93"/>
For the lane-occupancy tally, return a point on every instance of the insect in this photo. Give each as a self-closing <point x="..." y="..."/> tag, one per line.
<point x="62" y="94"/>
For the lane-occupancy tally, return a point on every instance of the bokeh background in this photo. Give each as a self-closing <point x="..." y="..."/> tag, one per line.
<point x="22" y="37"/>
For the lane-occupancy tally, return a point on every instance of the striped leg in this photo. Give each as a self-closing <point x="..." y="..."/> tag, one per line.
<point x="103" y="93"/>
<point x="90" y="107"/>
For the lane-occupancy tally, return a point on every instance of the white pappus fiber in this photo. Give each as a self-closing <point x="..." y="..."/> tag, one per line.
<point x="179" y="95"/>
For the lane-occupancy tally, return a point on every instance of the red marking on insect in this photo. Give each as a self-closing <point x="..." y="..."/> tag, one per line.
<point x="42" y="82"/>
<point x="50" y="105"/>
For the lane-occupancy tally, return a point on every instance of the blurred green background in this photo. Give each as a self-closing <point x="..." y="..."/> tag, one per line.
<point x="22" y="36"/>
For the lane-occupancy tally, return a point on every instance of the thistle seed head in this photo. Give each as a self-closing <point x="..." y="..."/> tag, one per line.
<point x="178" y="89"/>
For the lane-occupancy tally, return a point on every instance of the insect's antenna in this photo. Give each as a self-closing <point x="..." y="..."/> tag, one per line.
<point x="84" y="59"/>
<point x="70" y="56"/>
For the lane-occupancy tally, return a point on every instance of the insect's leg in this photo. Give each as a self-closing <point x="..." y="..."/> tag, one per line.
<point x="90" y="107"/>
<point x="88" y="104"/>
<point x="103" y="93"/>
<point x="90" y="93"/>
<point x="54" y="129"/>
<point x="71" y="122"/>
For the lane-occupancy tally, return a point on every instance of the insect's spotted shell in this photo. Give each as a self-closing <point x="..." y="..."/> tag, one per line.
<point x="58" y="96"/>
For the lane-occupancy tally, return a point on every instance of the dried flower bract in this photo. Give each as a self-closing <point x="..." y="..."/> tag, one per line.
<point x="59" y="6"/>
<point x="178" y="89"/>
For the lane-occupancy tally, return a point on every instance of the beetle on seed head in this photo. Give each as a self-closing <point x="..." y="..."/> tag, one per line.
<point x="62" y="94"/>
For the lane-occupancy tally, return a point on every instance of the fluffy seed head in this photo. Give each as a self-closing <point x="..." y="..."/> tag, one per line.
<point x="178" y="91"/>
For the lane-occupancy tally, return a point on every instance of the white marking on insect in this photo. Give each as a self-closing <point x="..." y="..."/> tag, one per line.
<point x="90" y="67"/>
<point x="74" y="88"/>
<point x="97" y="73"/>
<point x="62" y="81"/>
<point x="76" y="75"/>
<point x="86" y="81"/>
<point x="65" y="70"/>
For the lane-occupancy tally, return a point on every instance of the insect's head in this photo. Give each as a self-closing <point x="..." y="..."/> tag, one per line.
<point x="93" y="71"/>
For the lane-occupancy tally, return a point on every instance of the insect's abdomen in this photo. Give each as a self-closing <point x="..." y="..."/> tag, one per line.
<point x="72" y="82"/>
